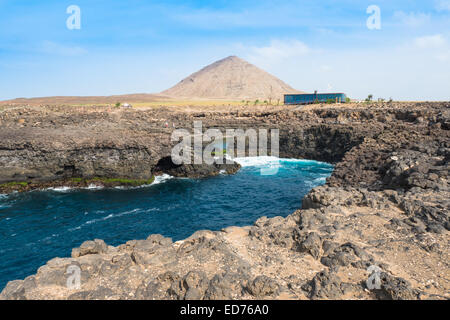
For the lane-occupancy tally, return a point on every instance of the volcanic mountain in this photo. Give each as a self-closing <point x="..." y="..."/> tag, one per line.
<point x="230" y="78"/>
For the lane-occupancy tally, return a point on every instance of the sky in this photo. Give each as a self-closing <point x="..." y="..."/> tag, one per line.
<point x="138" y="46"/>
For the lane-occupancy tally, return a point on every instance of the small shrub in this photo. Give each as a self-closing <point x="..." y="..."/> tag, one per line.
<point x="15" y="185"/>
<point x="115" y="181"/>
<point x="121" y="181"/>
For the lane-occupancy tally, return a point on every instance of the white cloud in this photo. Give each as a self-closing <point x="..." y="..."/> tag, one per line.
<point x="279" y="50"/>
<point x="412" y="19"/>
<point x="442" y="5"/>
<point x="416" y="69"/>
<point x="434" y="41"/>
<point x="435" y="46"/>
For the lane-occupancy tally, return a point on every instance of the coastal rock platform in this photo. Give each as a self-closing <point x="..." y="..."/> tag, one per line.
<point x="386" y="205"/>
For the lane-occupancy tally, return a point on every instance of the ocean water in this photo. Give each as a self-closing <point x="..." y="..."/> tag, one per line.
<point x="40" y="225"/>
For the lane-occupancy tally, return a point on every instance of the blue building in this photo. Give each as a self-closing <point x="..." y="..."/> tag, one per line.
<point x="315" y="97"/>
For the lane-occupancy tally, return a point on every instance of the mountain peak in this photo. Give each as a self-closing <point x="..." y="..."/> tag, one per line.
<point x="233" y="58"/>
<point x="230" y="78"/>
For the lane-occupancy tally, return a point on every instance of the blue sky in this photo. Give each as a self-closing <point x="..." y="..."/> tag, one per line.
<point x="147" y="46"/>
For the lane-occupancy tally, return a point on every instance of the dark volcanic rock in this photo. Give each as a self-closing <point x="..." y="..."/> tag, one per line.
<point x="344" y="255"/>
<point x="90" y="247"/>
<point x="393" y="288"/>
<point x="196" y="170"/>
<point x="324" y="285"/>
<point x="191" y="287"/>
<point x="310" y="243"/>
<point x="225" y="287"/>
<point x="263" y="286"/>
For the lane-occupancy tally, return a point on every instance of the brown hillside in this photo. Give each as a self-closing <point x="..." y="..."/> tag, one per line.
<point x="230" y="78"/>
<point x="130" y="98"/>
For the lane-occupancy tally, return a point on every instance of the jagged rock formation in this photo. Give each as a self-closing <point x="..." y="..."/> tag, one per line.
<point x="231" y="78"/>
<point x="386" y="205"/>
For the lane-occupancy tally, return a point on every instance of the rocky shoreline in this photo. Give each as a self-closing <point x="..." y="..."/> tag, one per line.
<point x="386" y="204"/>
<point x="189" y="171"/>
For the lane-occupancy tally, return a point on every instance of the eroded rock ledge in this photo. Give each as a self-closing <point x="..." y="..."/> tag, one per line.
<point x="386" y="204"/>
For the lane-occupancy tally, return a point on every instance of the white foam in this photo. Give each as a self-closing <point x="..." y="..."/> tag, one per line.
<point x="269" y="161"/>
<point x="112" y="215"/>
<point x="67" y="189"/>
<point x="320" y="180"/>
<point x="257" y="161"/>
<point x="60" y="189"/>
<point x="93" y="186"/>
<point x="162" y="178"/>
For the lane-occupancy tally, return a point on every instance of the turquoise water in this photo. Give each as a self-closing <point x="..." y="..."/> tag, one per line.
<point x="40" y="225"/>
